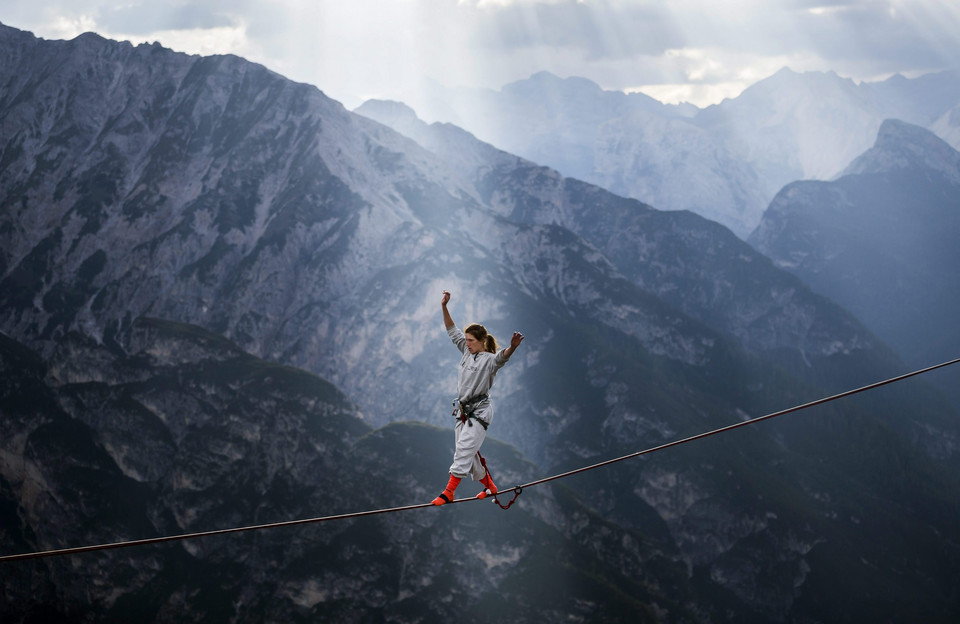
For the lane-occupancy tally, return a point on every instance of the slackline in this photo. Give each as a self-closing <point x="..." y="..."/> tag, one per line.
<point x="517" y="489"/>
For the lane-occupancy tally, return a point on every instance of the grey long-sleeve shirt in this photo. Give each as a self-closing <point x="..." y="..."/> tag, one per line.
<point x="476" y="370"/>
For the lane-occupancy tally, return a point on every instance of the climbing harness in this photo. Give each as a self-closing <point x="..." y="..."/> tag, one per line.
<point x="517" y="489"/>
<point x="464" y="411"/>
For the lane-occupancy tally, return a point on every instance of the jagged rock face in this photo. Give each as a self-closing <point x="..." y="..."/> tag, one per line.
<point x="881" y="240"/>
<point x="209" y="197"/>
<point x="262" y="211"/>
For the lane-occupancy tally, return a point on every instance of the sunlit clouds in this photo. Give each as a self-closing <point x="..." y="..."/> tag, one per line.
<point x="691" y="50"/>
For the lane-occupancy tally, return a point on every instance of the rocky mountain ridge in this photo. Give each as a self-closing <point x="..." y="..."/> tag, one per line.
<point x="270" y="255"/>
<point x="725" y="162"/>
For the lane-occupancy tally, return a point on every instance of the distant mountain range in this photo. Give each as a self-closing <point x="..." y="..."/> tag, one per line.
<point x="882" y="241"/>
<point x="219" y="297"/>
<point x="724" y="162"/>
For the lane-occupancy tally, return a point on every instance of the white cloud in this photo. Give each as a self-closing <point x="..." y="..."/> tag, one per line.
<point x="68" y="27"/>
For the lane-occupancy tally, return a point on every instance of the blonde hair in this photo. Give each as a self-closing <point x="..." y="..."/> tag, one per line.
<point x="479" y="332"/>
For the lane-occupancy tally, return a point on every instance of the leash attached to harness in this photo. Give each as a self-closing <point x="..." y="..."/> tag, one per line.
<point x="516" y="492"/>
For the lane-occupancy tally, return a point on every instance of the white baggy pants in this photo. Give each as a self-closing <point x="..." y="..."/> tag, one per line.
<point x="465" y="459"/>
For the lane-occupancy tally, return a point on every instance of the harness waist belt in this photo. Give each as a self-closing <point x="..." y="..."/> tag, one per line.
<point x="464" y="410"/>
<point x="471" y="403"/>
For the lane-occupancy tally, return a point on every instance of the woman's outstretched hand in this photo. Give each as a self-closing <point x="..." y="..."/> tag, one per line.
<point x="515" y="340"/>
<point x="445" y="298"/>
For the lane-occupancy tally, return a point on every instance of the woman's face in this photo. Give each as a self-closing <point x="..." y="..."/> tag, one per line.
<point x="474" y="346"/>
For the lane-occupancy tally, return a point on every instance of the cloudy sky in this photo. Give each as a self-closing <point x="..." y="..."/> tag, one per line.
<point x="674" y="50"/>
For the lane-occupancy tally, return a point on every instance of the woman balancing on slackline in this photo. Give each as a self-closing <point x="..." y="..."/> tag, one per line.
<point x="478" y="366"/>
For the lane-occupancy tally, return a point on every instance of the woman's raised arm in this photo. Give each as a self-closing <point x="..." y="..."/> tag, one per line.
<point x="447" y="319"/>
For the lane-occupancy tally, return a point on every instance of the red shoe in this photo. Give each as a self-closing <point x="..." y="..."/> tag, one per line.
<point x="447" y="495"/>
<point x="489" y="488"/>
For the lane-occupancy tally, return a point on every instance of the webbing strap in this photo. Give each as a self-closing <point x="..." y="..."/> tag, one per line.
<point x="516" y="491"/>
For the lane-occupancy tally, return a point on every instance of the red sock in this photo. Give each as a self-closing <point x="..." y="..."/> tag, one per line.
<point x="487" y="485"/>
<point x="447" y="495"/>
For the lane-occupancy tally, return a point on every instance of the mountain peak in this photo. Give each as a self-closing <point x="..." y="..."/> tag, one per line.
<point x="544" y="80"/>
<point x="90" y="36"/>
<point x="785" y="72"/>
<point x="388" y="112"/>
<point x="901" y="145"/>
<point x="895" y="131"/>
<point x="92" y="42"/>
<point x="783" y="90"/>
<point x="544" y="76"/>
